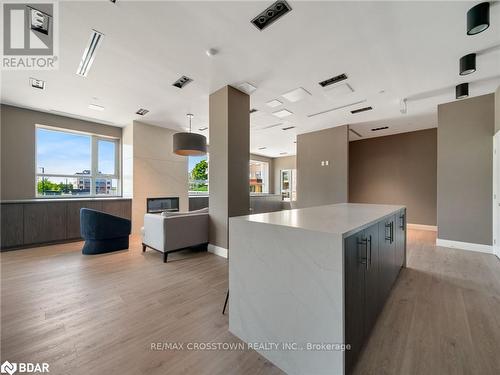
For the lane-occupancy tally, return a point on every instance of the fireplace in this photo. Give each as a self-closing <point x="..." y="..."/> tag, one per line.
<point x="157" y="205"/>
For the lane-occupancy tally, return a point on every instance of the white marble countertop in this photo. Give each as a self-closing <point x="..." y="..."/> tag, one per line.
<point x="342" y="219"/>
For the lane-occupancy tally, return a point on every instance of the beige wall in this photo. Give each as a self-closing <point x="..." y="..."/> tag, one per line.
<point x="270" y="162"/>
<point x="316" y="184"/>
<point x="285" y="162"/>
<point x="397" y="169"/>
<point x="465" y="170"/>
<point x="229" y="160"/>
<point x="157" y="171"/>
<point x="497" y="110"/>
<point x="17" y="127"/>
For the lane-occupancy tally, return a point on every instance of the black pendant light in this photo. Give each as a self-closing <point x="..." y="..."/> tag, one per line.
<point x="462" y="91"/>
<point x="478" y="18"/>
<point x="468" y="64"/>
<point x="190" y="144"/>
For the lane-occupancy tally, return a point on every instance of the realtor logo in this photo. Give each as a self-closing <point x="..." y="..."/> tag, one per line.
<point x="8" y="368"/>
<point x="29" y="35"/>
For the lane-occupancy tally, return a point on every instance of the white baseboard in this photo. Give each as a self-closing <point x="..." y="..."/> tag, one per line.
<point x="422" y="227"/>
<point x="217" y="250"/>
<point x="465" y="246"/>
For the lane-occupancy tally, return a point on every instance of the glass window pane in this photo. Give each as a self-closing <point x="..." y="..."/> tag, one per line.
<point x="198" y="174"/>
<point x="106" y="186"/>
<point x="106" y="157"/>
<point x="62" y="153"/>
<point x="63" y="186"/>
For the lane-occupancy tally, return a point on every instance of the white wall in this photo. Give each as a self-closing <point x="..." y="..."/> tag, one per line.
<point x="157" y="171"/>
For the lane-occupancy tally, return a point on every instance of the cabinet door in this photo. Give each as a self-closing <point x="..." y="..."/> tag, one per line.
<point x="400" y="240"/>
<point x="44" y="222"/>
<point x="354" y="278"/>
<point x="73" y="216"/>
<point x="373" y="300"/>
<point x="120" y="208"/>
<point x="386" y="256"/>
<point x="12" y="225"/>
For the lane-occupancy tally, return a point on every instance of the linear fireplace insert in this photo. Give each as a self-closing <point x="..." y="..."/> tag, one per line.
<point x="156" y="205"/>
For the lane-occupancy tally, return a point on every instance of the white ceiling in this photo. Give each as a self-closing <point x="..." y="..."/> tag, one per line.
<point x="389" y="50"/>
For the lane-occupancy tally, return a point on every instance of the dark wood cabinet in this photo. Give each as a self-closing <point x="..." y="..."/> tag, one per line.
<point x="373" y="258"/>
<point x="38" y="222"/>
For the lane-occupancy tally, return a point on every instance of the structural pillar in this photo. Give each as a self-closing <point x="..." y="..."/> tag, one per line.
<point x="229" y="138"/>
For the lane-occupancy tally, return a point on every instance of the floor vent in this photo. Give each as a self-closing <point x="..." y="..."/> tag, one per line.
<point x="181" y="82"/>
<point x="271" y="14"/>
<point x="331" y="81"/>
<point x="364" y="109"/>
<point x="381" y="128"/>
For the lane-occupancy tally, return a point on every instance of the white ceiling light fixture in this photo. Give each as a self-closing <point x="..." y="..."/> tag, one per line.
<point x="89" y="54"/>
<point x="211" y="52"/>
<point x="403" y="106"/>
<point x="37" y="83"/>
<point x="274" y="103"/>
<point x="296" y="94"/>
<point x="246" y="87"/>
<point x="338" y="90"/>
<point x="96" y="107"/>
<point x="282" y="113"/>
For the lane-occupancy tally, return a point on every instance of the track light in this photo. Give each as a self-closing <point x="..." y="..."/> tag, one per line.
<point x="462" y="91"/>
<point x="478" y="18"/>
<point x="468" y="64"/>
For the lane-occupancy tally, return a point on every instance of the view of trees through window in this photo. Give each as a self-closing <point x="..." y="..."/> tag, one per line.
<point x="198" y="174"/>
<point x="65" y="166"/>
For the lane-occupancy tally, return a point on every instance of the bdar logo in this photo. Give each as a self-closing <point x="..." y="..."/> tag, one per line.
<point x="8" y="368"/>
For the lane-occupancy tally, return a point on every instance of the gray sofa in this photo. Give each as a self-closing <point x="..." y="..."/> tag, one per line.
<point x="170" y="232"/>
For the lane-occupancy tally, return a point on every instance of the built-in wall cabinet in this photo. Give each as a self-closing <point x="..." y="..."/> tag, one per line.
<point x="32" y="223"/>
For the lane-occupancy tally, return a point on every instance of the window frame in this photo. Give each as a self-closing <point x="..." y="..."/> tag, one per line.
<point x="94" y="163"/>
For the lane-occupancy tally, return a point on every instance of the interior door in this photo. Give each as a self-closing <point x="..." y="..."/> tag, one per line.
<point x="496" y="194"/>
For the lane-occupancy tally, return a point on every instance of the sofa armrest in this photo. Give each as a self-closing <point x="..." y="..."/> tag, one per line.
<point x="186" y="231"/>
<point x="154" y="231"/>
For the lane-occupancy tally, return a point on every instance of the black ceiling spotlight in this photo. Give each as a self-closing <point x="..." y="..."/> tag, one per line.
<point x="462" y="91"/>
<point x="271" y="14"/>
<point x="468" y="64"/>
<point x="478" y="18"/>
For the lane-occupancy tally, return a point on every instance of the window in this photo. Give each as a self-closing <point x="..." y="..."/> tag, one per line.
<point x="71" y="164"/>
<point x="198" y="175"/>
<point x="259" y="176"/>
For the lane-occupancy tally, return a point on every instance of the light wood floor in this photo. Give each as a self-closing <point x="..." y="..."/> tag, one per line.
<point x="100" y="314"/>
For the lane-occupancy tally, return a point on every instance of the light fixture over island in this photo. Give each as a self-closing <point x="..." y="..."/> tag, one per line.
<point x="306" y="284"/>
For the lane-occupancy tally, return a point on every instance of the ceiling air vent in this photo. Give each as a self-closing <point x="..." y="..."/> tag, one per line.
<point x="253" y="110"/>
<point x="364" y="109"/>
<point x="89" y="54"/>
<point x="381" y="128"/>
<point x="181" y="82"/>
<point x="288" y="128"/>
<point x="271" y="14"/>
<point x="331" y="81"/>
<point x="142" y="111"/>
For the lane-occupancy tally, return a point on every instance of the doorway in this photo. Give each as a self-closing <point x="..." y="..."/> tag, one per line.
<point x="496" y="194"/>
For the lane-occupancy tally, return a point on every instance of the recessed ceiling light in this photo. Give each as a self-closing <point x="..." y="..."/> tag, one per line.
<point x="246" y="87"/>
<point x="462" y="91"/>
<point x="96" y="107"/>
<point x="141" y="111"/>
<point x="274" y="103"/>
<point x="181" y="82"/>
<point x="331" y="81"/>
<point x="203" y="128"/>
<point x="467" y="64"/>
<point x="288" y="128"/>
<point x="271" y="14"/>
<point x="37" y="83"/>
<point x="478" y="18"/>
<point x="282" y="113"/>
<point x="89" y="54"/>
<point x="296" y="94"/>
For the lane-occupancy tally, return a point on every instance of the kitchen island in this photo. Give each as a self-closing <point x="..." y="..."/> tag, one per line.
<point x="307" y="285"/>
